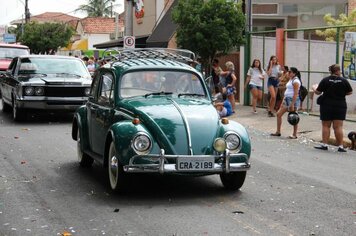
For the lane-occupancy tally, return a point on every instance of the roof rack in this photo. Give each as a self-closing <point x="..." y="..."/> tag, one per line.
<point x="182" y="55"/>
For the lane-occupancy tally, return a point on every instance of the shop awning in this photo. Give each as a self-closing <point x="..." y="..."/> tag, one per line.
<point x="164" y="30"/>
<point x="140" y="42"/>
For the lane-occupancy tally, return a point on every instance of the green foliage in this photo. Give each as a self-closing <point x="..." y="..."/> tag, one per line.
<point x="97" y="8"/>
<point x="330" y="34"/>
<point x="208" y="27"/>
<point x="45" y="38"/>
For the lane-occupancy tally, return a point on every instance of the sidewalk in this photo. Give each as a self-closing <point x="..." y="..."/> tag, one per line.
<point x="309" y="125"/>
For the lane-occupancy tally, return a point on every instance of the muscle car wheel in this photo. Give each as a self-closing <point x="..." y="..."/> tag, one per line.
<point x="233" y="181"/>
<point x="84" y="159"/>
<point x="5" y="107"/>
<point x="117" y="177"/>
<point x="17" y="113"/>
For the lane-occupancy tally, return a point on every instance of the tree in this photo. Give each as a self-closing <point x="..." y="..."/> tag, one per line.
<point x="97" y="8"/>
<point x="330" y="34"/>
<point x="45" y="38"/>
<point x="209" y="27"/>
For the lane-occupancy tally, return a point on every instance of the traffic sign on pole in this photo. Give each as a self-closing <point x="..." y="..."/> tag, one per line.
<point x="129" y="41"/>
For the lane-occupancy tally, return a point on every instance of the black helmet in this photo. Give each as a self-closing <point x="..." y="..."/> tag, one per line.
<point x="293" y="118"/>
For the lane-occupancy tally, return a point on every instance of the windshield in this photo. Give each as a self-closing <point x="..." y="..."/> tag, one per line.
<point x="174" y="83"/>
<point x="9" y="53"/>
<point x="58" y="66"/>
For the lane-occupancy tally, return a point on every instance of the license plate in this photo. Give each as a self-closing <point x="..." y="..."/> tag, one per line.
<point x="189" y="163"/>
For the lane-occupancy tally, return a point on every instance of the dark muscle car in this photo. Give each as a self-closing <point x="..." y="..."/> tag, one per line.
<point x="44" y="82"/>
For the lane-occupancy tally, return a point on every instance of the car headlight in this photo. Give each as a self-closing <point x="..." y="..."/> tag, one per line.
<point x="39" y="91"/>
<point x="233" y="141"/>
<point x="141" y="143"/>
<point x="87" y="91"/>
<point x="29" y="91"/>
<point x="219" y="145"/>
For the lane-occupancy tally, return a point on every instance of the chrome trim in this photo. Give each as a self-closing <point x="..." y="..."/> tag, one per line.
<point x="133" y="146"/>
<point x="240" y="144"/>
<point x="161" y="167"/>
<point x="186" y="124"/>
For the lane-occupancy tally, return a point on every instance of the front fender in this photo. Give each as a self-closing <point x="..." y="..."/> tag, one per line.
<point x="122" y="134"/>
<point x="80" y="122"/>
<point x="241" y="130"/>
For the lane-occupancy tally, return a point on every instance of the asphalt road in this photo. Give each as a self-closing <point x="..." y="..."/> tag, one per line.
<point x="290" y="190"/>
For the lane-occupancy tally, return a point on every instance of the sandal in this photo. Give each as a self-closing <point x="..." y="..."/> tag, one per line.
<point x="292" y="137"/>
<point x="276" y="134"/>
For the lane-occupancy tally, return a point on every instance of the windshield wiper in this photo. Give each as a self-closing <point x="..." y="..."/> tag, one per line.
<point x="158" y="93"/>
<point x="191" y="94"/>
<point x="64" y="73"/>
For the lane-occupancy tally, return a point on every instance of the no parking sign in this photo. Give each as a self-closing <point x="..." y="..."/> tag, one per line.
<point x="129" y="41"/>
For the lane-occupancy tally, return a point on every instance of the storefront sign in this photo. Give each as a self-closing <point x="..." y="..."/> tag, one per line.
<point x="348" y="62"/>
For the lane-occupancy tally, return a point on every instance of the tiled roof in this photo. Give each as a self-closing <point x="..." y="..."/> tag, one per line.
<point x="99" y="25"/>
<point x="53" y="17"/>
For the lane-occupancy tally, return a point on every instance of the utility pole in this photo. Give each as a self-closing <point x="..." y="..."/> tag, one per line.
<point x="128" y="18"/>
<point x="27" y="12"/>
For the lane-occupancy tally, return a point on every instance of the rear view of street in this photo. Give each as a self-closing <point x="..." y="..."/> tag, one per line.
<point x="291" y="189"/>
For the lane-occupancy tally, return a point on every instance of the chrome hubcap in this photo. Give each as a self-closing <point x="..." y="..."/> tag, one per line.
<point x="79" y="148"/>
<point x="113" y="168"/>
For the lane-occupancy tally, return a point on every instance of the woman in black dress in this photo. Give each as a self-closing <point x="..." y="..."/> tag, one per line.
<point x="333" y="106"/>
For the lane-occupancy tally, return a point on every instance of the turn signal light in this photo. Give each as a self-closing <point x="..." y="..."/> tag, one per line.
<point x="225" y="121"/>
<point x="136" y="121"/>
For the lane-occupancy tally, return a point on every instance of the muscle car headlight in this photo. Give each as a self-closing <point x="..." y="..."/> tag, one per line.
<point x="141" y="143"/>
<point x="233" y="141"/>
<point x="39" y="91"/>
<point x="29" y="91"/>
<point x="87" y="91"/>
<point x="220" y="145"/>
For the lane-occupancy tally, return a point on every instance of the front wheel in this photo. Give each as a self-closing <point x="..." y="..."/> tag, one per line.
<point x="233" y="181"/>
<point x="5" y="107"/>
<point x="84" y="159"/>
<point x="117" y="176"/>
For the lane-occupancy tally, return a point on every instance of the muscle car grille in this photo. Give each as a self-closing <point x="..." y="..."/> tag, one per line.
<point x="64" y="91"/>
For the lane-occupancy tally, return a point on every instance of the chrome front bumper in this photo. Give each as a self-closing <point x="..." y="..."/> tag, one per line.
<point x="51" y="103"/>
<point x="163" y="167"/>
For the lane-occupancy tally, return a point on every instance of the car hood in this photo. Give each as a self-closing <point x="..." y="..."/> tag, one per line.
<point x="174" y="122"/>
<point x="54" y="80"/>
<point x="4" y="64"/>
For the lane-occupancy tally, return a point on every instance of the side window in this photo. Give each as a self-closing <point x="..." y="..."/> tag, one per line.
<point x="106" y="91"/>
<point x="94" y="86"/>
<point x="12" y="66"/>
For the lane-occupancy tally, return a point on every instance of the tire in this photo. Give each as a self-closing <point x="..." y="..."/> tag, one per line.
<point x="17" y="113"/>
<point x="233" y="181"/>
<point x="5" y="107"/>
<point x="117" y="178"/>
<point x="84" y="159"/>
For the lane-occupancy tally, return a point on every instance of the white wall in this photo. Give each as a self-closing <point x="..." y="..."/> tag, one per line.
<point x="323" y="54"/>
<point x="95" y="39"/>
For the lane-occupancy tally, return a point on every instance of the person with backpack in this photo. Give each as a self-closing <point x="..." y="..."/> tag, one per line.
<point x="291" y="101"/>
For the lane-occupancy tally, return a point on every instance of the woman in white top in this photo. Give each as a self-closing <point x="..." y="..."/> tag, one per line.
<point x="291" y="101"/>
<point x="255" y="77"/>
<point x="274" y="72"/>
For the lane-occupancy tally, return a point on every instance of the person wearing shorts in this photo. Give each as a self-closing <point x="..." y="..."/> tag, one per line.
<point x="291" y="101"/>
<point x="274" y="72"/>
<point x="255" y="77"/>
<point x="333" y="107"/>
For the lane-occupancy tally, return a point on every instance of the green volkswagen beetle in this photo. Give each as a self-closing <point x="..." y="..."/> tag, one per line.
<point x="150" y="112"/>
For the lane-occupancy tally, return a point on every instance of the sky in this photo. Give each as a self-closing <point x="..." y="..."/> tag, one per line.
<point x="14" y="9"/>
